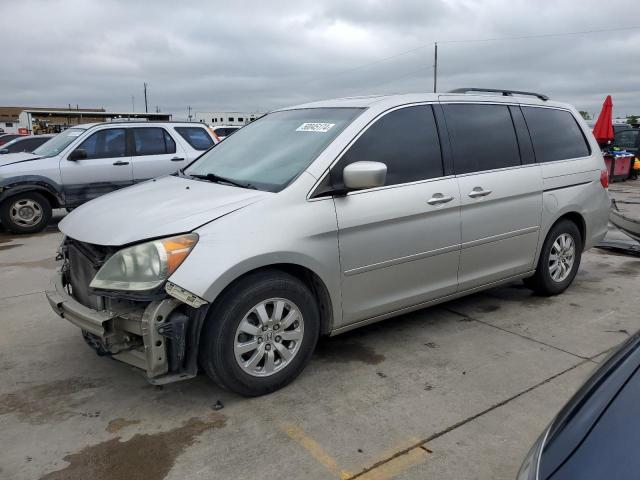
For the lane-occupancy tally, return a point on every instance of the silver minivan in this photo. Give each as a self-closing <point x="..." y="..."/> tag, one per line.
<point x="320" y="218"/>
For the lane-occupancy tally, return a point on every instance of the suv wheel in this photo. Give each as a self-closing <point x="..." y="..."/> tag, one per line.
<point x="27" y="212"/>
<point x="260" y="334"/>
<point x="559" y="260"/>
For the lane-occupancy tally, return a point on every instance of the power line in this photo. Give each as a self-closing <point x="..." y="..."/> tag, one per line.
<point x="477" y="40"/>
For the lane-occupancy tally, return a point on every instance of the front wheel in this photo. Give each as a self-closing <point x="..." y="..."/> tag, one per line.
<point x="559" y="260"/>
<point x="28" y="212"/>
<point x="260" y="334"/>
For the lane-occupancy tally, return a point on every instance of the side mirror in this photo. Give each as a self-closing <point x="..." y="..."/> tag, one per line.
<point x="4" y="150"/>
<point x="360" y="175"/>
<point x="77" y="154"/>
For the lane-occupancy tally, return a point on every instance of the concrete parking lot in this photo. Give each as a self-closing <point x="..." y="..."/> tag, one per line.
<point x="458" y="391"/>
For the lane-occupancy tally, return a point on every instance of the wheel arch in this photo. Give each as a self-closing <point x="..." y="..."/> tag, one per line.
<point x="53" y="193"/>
<point x="576" y="218"/>
<point x="572" y="215"/>
<point x="309" y="278"/>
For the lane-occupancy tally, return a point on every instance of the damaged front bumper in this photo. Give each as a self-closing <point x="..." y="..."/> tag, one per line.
<point x="159" y="337"/>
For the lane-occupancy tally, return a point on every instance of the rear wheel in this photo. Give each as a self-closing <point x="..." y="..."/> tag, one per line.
<point x="559" y="260"/>
<point x="261" y="333"/>
<point x="27" y="212"/>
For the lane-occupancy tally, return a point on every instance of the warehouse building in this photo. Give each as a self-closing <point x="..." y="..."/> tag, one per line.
<point x="30" y="120"/>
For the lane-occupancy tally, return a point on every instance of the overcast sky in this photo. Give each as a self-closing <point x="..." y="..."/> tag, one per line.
<point x="260" y="55"/>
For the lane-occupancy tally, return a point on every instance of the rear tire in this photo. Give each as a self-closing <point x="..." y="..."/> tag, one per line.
<point x="260" y="334"/>
<point x="559" y="260"/>
<point x="27" y="212"/>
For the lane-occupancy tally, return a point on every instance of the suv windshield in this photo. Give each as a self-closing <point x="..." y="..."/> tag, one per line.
<point x="270" y="152"/>
<point x="58" y="143"/>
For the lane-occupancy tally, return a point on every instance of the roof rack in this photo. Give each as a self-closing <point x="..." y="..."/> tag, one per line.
<point x="506" y="93"/>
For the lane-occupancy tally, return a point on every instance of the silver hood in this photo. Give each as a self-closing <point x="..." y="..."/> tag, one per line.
<point x="9" y="158"/>
<point x="157" y="208"/>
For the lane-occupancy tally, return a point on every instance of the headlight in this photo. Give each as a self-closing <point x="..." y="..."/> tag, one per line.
<point x="145" y="266"/>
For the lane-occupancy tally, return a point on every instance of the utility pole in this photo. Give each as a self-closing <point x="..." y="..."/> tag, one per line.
<point x="146" y="108"/>
<point x="435" y="67"/>
<point x="133" y="104"/>
<point x="189" y="107"/>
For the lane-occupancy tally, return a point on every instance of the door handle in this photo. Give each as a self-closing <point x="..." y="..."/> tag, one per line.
<point x="177" y="159"/>
<point x="438" y="198"/>
<point x="479" y="192"/>
<point x="120" y="162"/>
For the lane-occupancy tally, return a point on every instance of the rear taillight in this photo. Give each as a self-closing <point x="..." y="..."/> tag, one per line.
<point x="604" y="178"/>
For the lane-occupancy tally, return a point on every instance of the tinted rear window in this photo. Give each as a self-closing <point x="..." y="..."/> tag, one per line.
<point x="152" y="141"/>
<point x="555" y="134"/>
<point x="197" y="137"/>
<point x="405" y="140"/>
<point x="482" y="137"/>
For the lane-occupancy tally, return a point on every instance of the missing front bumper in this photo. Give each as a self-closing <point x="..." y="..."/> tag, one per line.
<point x="158" y="337"/>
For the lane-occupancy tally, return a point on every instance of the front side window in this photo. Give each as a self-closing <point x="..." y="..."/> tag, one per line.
<point x="626" y="139"/>
<point x="482" y="137"/>
<point x="152" y="141"/>
<point x="405" y="140"/>
<point x="108" y="143"/>
<point x="58" y="143"/>
<point x="197" y="137"/>
<point x="555" y="134"/>
<point x="270" y="152"/>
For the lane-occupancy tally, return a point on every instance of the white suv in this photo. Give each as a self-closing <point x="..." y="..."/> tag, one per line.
<point x="89" y="160"/>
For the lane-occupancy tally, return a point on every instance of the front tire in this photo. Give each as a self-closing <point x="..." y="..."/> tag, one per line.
<point x="559" y="260"/>
<point x="260" y="334"/>
<point x="28" y="212"/>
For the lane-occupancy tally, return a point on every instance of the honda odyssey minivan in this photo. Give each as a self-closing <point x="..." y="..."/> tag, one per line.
<point x="320" y="218"/>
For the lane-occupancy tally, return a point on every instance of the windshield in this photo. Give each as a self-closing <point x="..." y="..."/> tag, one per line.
<point x="58" y="143"/>
<point x="270" y="152"/>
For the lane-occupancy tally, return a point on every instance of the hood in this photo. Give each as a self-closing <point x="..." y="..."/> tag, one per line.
<point x="9" y="158"/>
<point x="156" y="208"/>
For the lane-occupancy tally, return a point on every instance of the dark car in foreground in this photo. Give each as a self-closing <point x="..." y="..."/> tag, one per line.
<point x="597" y="433"/>
<point x="24" y="144"/>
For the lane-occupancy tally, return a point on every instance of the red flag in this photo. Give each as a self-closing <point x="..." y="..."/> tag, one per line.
<point x="603" y="129"/>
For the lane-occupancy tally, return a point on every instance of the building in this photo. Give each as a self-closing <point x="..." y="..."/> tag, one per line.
<point x="226" y="118"/>
<point x="30" y="120"/>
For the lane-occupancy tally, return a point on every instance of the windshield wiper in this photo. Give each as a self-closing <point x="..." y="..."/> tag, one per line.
<point x="212" y="177"/>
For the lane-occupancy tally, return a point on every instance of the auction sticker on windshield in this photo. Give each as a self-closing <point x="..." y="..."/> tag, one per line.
<point x="315" y="127"/>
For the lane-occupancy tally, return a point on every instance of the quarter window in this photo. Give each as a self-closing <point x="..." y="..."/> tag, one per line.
<point x="197" y="137"/>
<point x="108" y="143"/>
<point x="482" y="137"/>
<point x="405" y="140"/>
<point x="555" y="134"/>
<point x="152" y="141"/>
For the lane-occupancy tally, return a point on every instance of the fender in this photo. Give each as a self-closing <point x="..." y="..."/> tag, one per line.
<point x="22" y="183"/>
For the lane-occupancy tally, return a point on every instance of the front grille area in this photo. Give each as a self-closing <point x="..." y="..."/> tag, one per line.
<point x="83" y="260"/>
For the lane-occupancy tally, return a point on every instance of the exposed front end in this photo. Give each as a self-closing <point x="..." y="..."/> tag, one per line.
<point x="152" y="330"/>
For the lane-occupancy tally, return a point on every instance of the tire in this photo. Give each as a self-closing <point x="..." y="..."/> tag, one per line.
<point x="35" y="215"/>
<point x="553" y="277"/>
<point x="223" y="340"/>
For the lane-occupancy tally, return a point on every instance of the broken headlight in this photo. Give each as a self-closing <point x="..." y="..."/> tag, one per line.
<point x="145" y="266"/>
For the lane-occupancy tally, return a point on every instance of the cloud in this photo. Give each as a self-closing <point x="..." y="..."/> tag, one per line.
<point x="246" y="55"/>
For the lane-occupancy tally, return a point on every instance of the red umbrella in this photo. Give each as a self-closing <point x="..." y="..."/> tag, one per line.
<point x="603" y="129"/>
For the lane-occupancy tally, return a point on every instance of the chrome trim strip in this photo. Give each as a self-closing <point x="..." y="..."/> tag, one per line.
<point x="500" y="236"/>
<point x="399" y="260"/>
<point x="438" y="251"/>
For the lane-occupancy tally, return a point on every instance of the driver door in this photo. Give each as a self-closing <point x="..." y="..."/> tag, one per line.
<point x="400" y="243"/>
<point x="106" y="167"/>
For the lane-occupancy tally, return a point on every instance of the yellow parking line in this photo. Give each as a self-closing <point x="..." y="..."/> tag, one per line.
<point x="315" y="450"/>
<point x="397" y="465"/>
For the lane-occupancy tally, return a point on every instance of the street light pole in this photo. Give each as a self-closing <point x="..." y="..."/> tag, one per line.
<point x="146" y="108"/>
<point x="435" y="67"/>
